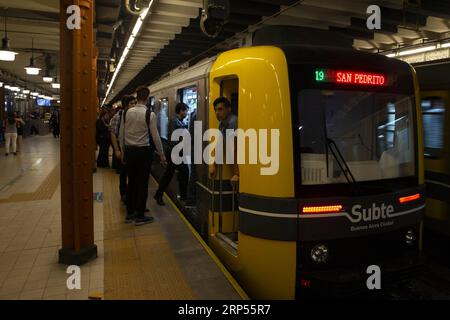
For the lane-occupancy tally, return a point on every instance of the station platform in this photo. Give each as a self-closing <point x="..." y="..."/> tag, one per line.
<point x="165" y="260"/>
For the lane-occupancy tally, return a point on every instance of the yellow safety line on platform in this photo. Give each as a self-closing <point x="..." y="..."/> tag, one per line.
<point x="45" y="191"/>
<point x="222" y="268"/>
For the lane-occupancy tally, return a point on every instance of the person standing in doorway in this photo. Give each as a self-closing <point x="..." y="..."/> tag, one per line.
<point x="183" y="170"/>
<point x="10" y="135"/>
<point x="137" y="128"/>
<point x="127" y="103"/>
<point x="228" y="121"/>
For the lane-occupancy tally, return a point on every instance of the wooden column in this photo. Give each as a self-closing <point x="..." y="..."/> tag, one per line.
<point x="77" y="130"/>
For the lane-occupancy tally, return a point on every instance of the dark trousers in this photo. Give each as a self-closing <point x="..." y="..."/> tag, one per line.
<point x="103" y="154"/>
<point x="138" y="165"/>
<point x="183" y="179"/>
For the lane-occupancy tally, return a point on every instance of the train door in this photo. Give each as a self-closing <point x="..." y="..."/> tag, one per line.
<point x="225" y="224"/>
<point x="436" y="130"/>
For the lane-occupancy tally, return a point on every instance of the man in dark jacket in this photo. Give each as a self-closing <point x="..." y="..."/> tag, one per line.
<point x="183" y="170"/>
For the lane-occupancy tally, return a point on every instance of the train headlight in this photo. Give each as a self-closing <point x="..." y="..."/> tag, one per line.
<point x="319" y="254"/>
<point x="410" y="237"/>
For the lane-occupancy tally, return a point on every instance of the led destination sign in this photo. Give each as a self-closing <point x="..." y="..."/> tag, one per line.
<point x="350" y="77"/>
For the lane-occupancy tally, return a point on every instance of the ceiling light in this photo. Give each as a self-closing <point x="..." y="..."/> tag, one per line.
<point x="6" y="54"/>
<point x="56" y="85"/>
<point x="417" y="50"/>
<point x="445" y="45"/>
<point x="32" y="69"/>
<point x="48" y="79"/>
<point x="35" y="94"/>
<point x="26" y="91"/>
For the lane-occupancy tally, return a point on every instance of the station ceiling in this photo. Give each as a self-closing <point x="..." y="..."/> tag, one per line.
<point x="171" y="35"/>
<point x="39" y="20"/>
<point x="172" y="32"/>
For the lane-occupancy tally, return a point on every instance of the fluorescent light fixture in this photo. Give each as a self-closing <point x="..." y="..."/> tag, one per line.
<point x="137" y="27"/>
<point x="391" y="55"/>
<point x="417" y="50"/>
<point x="48" y="79"/>
<point x="26" y="91"/>
<point x="35" y="94"/>
<point x="1" y="84"/>
<point x="7" y="86"/>
<point x="56" y="85"/>
<point x="130" y="42"/>
<point x="445" y="45"/>
<point x="59" y="101"/>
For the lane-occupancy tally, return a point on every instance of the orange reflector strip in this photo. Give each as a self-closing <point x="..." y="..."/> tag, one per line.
<point x="409" y="198"/>
<point x="323" y="209"/>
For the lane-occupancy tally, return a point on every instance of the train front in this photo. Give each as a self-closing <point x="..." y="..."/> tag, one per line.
<point x="359" y="180"/>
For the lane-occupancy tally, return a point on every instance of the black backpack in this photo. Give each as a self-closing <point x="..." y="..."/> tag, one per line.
<point x="148" y="115"/>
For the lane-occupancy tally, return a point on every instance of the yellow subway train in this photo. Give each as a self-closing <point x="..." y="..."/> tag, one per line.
<point x="349" y="189"/>
<point x="435" y="99"/>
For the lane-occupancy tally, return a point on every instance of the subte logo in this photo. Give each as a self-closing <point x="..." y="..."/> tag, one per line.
<point x="374" y="280"/>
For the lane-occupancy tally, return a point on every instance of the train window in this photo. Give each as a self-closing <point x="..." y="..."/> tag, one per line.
<point x="370" y="132"/>
<point x="433" y="116"/>
<point x="189" y="96"/>
<point x="163" y="118"/>
<point x="151" y="104"/>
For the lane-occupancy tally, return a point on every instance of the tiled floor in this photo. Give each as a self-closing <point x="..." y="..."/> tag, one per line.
<point x="30" y="231"/>
<point x="163" y="260"/>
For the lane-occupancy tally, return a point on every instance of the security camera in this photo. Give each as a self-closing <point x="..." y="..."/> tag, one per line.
<point x="215" y="14"/>
<point x="136" y="7"/>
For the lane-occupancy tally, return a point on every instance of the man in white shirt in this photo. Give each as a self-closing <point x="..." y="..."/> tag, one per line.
<point x="135" y="134"/>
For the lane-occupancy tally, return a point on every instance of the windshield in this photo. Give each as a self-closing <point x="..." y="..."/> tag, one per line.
<point x="353" y="136"/>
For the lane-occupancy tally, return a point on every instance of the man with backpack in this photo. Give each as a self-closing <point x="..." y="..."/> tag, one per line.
<point x="138" y="127"/>
<point x="114" y="127"/>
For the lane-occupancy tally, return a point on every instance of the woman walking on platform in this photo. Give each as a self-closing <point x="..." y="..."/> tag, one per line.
<point x="10" y="135"/>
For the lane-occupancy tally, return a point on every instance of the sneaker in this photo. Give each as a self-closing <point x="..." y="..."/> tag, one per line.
<point x="130" y="218"/>
<point x="159" y="200"/>
<point x="144" y="220"/>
